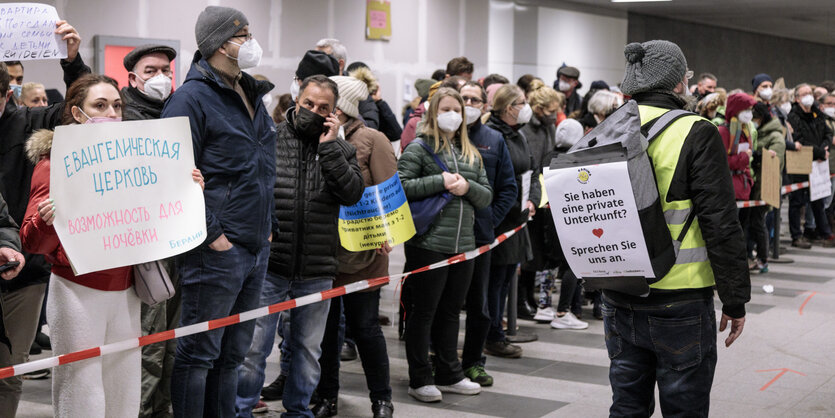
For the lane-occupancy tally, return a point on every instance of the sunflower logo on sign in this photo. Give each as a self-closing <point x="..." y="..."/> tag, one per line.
<point x="583" y="176"/>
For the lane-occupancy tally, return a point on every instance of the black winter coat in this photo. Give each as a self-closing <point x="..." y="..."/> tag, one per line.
<point x="517" y="248"/>
<point x="312" y="181"/>
<point x="138" y="106"/>
<point x="810" y="130"/>
<point x="16" y="125"/>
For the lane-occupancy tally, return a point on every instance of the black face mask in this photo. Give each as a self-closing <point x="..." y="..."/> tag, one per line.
<point x="309" y="125"/>
<point x="548" y="119"/>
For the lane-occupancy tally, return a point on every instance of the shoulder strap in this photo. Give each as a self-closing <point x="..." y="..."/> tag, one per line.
<point x="659" y="124"/>
<point x="432" y="153"/>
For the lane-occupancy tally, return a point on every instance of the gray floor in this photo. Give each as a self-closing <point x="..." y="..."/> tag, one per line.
<point x="565" y="372"/>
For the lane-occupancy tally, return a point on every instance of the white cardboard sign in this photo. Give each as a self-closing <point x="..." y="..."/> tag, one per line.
<point x="819" y="183"/>
<point x="27" y="32"/>
<point x="597" y="220"/>
<point x="124" y="194"/>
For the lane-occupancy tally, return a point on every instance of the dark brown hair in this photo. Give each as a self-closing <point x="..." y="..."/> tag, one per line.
<point x="458" y="66"/>
<point x="285" y="101"/>
<point x="479" y="87"/>
<point x="78" y="91"/>
<point x="5" y="79"/>
<point x="321" y="81"/>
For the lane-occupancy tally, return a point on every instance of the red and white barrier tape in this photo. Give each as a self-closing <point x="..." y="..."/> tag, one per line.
<point x="120" y="346"/>
<point x="783" y="191"/>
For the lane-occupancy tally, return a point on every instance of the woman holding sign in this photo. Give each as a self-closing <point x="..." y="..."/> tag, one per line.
<point x="438" y="294"/>
<point x="87" y="310"/>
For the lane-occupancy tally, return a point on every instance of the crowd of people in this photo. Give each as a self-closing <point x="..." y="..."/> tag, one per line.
<point x="274" y="183"/>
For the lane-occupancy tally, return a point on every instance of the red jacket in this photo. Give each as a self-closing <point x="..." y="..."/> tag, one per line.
<point x="739" y="163"/>
<point x="39" y="238"/>
<point x="410" y="130"/>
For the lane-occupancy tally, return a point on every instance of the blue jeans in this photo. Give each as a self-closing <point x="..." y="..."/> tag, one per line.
<point x="673" y="345"/>
<point x="302" y="335"/>
<point x="214" y="284"/>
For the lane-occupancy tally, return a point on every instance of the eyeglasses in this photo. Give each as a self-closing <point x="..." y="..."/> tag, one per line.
<point x="522" y="103"/>
<point x="248" y="36"/>
<point x="473" y="100"/>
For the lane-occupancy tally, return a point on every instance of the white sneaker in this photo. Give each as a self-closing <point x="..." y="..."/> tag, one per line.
<point x="568" y="321"/>
<point x="464" y="387"/>
<point x="546" y="314"/>
<point x="428" y="393"/>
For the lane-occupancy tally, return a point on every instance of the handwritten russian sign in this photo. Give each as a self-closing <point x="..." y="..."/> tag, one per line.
<point x="27" y="32"/>
<point x="597" y="220"/>
<point x="124" y="194"/>
<point x="382" y="215"/>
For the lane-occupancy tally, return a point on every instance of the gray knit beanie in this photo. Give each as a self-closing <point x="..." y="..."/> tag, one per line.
<point x="216" y="25"/>
<point x="652" y="66"/>
<point x="351" y="92"/>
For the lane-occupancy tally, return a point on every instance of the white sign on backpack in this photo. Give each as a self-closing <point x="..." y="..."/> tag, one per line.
<point x="597" y="220"/>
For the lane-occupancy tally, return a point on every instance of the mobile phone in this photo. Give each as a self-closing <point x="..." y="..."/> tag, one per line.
<point x="9" y="266"/>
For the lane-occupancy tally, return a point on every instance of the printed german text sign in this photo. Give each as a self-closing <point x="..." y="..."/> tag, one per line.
<point x="124" y="194"/>
<point x="27" y="32"/>
<point x="597" y="220"/>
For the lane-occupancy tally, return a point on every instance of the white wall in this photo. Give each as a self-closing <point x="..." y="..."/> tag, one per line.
<point x="426" y="34"/>
<point x="497" y="35"/>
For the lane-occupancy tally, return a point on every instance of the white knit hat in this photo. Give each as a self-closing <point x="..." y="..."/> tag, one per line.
<point x="569" y="132"/>
<point x="351" y="92"/>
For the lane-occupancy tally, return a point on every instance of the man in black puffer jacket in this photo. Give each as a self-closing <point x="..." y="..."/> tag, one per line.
<point x="316" y="172"/>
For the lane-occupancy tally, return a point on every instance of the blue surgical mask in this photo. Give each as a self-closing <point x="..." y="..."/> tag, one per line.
<point x="16" y="89"/>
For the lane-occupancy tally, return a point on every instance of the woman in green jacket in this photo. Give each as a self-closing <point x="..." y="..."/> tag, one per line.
<point x="438" y="295"/>
<point x="770" y="144"/>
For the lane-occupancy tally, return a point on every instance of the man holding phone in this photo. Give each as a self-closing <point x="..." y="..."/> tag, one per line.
<point x="316" y="172"/>
<point x="11" y="262"/>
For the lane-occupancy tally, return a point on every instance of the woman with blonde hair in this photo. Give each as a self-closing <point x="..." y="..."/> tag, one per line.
<point x="510" y="113"/>
<point x="439" y="294"/>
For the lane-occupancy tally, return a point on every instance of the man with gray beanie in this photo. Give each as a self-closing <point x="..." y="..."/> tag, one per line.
<point x="234" y="147"/>
<point x="669" y="336"/>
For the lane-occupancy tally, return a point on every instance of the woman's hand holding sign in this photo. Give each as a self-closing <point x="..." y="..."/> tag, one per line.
<point x="46" y="210"/>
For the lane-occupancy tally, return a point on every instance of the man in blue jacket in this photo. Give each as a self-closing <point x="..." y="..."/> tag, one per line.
<point x="496" y="157"/>
<point x="234" y="148"/>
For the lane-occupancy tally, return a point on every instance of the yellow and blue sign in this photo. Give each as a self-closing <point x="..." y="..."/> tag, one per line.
<point x="382" y="215"/>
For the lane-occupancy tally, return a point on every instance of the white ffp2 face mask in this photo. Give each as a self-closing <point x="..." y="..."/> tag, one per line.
<point x="249" y="54"/>
<point x="524" y="115"/>
<point x="766" y="93"/>
<point x="449" y="121"/>
<point x="268" y="101"/>
<point x="786" y="107"/>
<point x="294" y="89"/>
<point x="745" y="116"/>
<point x="564" y="86"/>
<point x="472" y="114"/>
<point x="830" y="111"/>
<point x="157" y="87"/>
<point x="807" y="100"/>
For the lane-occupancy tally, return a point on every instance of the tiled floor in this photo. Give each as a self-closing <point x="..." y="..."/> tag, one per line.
<point x="565" y="373"/>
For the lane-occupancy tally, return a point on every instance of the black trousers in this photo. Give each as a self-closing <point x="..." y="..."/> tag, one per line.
<point x="478" y="317"/>
<point x="434" y="305"/>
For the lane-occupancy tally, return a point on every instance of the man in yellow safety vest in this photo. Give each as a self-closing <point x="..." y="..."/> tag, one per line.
<point x="669" y="336"/>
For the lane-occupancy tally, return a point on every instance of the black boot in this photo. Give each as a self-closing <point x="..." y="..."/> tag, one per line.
<point x="382" y="409"/>
<point x="324" y="408"/>
<point x="275" y="390"/>
<point x="524" y="310"/>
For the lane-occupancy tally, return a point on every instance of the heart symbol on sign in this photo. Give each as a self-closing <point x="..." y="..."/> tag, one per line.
<point x="598" y="232"/>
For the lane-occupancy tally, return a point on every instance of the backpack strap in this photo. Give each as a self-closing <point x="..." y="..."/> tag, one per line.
<point x="656" y="127"/>
<point x="661" y="123"/>
<point x="432" y="153"/>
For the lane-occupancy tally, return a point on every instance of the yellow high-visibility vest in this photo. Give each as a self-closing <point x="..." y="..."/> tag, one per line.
<point x="692" y="269"/>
